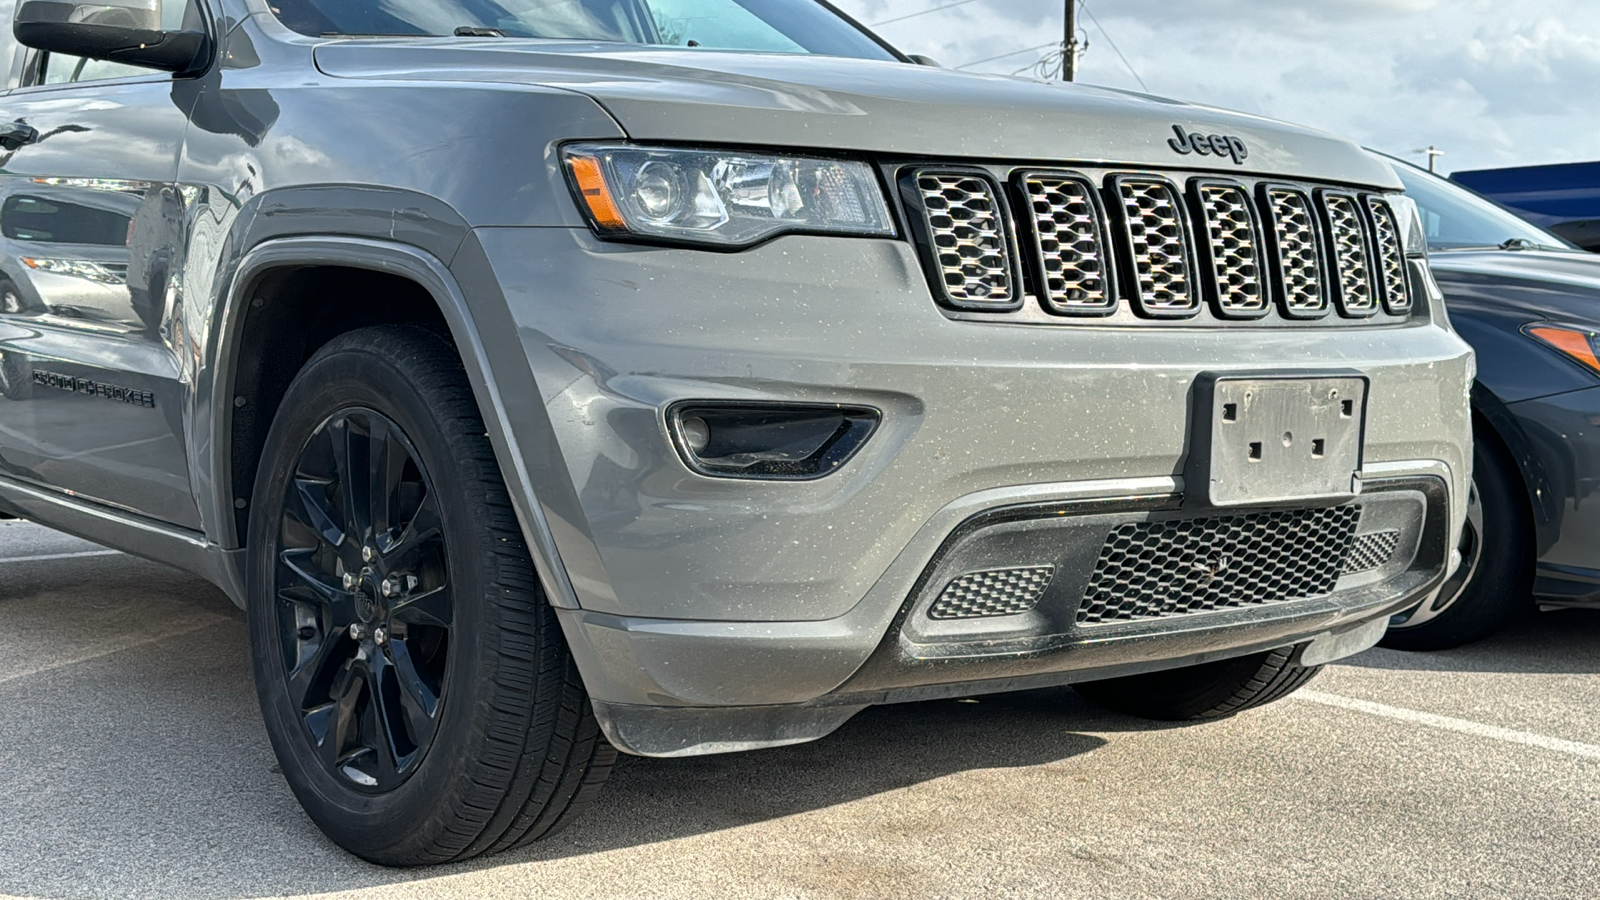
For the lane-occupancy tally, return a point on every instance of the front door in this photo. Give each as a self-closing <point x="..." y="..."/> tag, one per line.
<point x="92" y="391"/>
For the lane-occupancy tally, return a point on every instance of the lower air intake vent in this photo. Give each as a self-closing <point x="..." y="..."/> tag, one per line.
<point x="1371" y="551"/>
<point x="1150" y="570"/>
<point x="998" y="592"/>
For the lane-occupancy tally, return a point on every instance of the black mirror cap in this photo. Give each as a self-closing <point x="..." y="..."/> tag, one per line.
<point x="48" y="25"/>
<point x="921" y="60"/>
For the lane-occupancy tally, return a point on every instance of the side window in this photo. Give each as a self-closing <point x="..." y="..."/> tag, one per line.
<point x="717" y="23"/>
<point x="167" y="15"/>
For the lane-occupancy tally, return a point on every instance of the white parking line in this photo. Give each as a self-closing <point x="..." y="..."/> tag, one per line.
<point x="50" y="556"/>
<point x="109" y="649"/>
<point x="1450" y="723"/>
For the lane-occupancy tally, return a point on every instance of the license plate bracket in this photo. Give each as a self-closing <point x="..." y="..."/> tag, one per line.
<point x="1265" y="439"/>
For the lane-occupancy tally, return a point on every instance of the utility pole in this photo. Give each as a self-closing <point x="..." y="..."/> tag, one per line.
<point x="1433" y="154"/>
<point x="1069" y="45"/>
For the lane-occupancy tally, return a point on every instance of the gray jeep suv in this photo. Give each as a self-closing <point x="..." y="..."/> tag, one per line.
<point x="547" y="379"/>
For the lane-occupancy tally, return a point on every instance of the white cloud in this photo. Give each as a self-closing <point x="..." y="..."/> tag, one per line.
<point x="1490" y="83"/>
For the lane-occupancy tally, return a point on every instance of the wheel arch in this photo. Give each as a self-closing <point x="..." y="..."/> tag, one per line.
<point x="439" y="297"/>
<point x="1531" y="471"/>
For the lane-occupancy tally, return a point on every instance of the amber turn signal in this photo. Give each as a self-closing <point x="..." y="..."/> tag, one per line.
<point x="1577" y="343"/>
<point x="596" y="195"/>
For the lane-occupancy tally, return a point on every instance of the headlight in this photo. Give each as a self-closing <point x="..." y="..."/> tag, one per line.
<point x="1409" y="219"/>
<point x="1581" y="345"/>
<point x="723" y="199"/>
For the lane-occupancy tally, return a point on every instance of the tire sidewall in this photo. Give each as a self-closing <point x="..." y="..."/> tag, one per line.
<point x="345" y="374"/>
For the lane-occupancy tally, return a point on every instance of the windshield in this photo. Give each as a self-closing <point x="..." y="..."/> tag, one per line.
<point x="779" y="26"/>
<point x="1457" y="219"/>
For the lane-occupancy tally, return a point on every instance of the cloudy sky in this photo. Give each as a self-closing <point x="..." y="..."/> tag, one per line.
<point x="1490" y="82"/>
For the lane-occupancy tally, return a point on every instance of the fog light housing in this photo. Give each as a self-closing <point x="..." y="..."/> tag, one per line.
<point x="768" y="441"/>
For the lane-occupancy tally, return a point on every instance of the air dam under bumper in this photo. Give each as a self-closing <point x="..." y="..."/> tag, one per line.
<point x="1046" y="594"/>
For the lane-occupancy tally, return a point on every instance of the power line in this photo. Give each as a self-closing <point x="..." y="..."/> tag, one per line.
<point x="923" y="13"/>
<point x="1107" y="35"/>
<point x="977" y="62"/>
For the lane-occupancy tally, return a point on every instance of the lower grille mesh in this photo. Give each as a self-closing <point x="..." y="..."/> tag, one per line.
<point x="999" y="592"/>
<point x="1371" y="551"/>
<point x="1156" y="569"/>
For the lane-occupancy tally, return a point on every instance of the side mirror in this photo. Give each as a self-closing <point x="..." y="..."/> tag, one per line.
<point x="123" y="31"/>
<point x="921" y="60"/>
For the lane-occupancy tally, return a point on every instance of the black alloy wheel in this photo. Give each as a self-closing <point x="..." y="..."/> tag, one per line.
<point x="366" y="607"/>
<point x="413" y="677"/>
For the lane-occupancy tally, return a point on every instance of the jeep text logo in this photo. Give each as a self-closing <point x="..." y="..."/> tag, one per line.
<point x="1206" y="144"/>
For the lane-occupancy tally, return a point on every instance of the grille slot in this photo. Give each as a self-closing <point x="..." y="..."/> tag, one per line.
<point x="966" y="231"/>
<point x="1371" y="551"/>
<point x="1391" y="257"/>
<point x="1299" y="262"/>
<point x="1153" y="223"/>
<point x="1352" y="257"/>
<point x="998" y="592"/>
<point x="1233" y="246"/>
<point x="1071" y="244"/>
<point x="1150" y="570"/>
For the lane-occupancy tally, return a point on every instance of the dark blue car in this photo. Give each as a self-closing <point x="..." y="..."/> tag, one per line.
<point x="1529" y="303"/>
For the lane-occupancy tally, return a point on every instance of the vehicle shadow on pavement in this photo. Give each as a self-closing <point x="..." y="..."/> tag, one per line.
<point x="1559" y="642"/>
<point x="136" y="765"/>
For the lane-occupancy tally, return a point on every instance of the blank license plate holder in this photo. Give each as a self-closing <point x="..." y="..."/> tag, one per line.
<point x="1269" y="439"/>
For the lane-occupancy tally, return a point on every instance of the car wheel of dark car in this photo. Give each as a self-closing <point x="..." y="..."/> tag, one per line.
<point x="416" y="687"/>
<point x="1492" y="586"/>
<point x="1213" y="690"/>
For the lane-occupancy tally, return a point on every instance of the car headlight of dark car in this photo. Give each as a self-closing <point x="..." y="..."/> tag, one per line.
<point x="1581" y="345"/>
<point x="724" y="199"/>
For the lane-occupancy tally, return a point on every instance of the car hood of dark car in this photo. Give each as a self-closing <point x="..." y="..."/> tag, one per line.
<point x="834" y="104"/>
<point x="1562" y="285"/>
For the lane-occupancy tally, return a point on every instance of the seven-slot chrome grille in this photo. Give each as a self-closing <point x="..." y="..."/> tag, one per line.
<point x="1129" y="246"/>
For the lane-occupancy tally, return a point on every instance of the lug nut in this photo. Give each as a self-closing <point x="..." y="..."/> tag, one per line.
<point x="355" y="631"/>
<point x="381" y="635"/>
<point x="368" y="554"/>
<point x="349" y="581"/>
<point x="390" y="587"/>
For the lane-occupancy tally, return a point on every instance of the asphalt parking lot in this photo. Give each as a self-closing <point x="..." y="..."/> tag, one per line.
<point x="132" y="764"/>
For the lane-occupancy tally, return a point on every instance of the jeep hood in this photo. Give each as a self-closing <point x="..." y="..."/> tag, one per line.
<point x="833" y="104"/>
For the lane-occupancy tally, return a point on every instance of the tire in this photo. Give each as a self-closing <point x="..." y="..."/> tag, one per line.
<point x="1494" y="586"/>
<point x="479" y="735"/>
<point x="1208" y="691"/>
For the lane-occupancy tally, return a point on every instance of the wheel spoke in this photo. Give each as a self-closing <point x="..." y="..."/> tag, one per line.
<point x="386" y="467"/>
<point x="431" y="607"/>
<point x="309" y="506"/>
<point x="311" y="672"/>
<point x="381" y="721"/>
<point x="418" y="700"/>
<point x="337" y="720"/>
<point x="350" y="451"/>
<point x="424" y="528"/>
<point x="300" y="564"/>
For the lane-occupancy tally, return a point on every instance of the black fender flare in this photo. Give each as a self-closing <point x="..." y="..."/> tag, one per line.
<point x="437" y="278"/>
